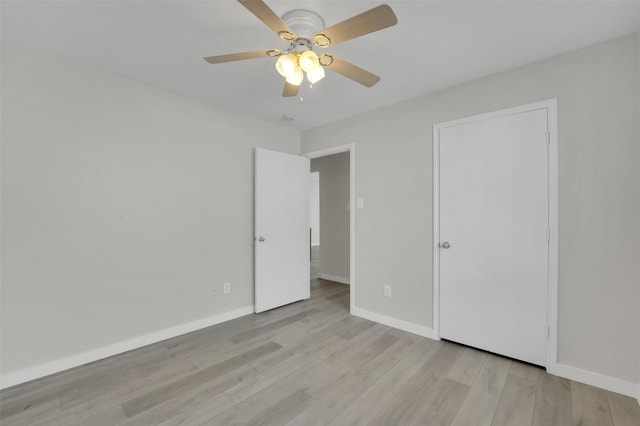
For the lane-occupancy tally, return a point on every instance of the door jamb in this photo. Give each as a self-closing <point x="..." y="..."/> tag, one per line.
<point x="350" y="148"/>
<point x="551" y="105"/>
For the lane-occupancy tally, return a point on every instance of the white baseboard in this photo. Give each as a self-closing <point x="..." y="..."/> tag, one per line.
<point x="55" y="366"/>
<point x="335" y="278"/>
<point x="420" y="330"/>
<point x="596" y="379"/>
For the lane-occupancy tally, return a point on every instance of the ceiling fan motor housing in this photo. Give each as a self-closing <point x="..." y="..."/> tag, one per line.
<point x="305" y="24"/>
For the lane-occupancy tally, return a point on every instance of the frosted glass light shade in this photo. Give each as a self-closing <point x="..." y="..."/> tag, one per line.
<point x="308" y="60"/>
<point x="295" y="77"/>
<point x="315" y="74"/>
<point x="286" y="64"/>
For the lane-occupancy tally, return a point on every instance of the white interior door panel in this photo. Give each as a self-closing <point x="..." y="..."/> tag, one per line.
<point x="494" y="218"/>
<point x="281" y="229"/>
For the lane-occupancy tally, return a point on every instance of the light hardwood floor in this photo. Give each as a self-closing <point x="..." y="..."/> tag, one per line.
<point x="310" y="363"/>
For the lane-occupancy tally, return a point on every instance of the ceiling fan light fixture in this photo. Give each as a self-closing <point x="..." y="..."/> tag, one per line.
<point x="295" y="77"/>
<point x="308" y="60"/>
<point x="303" y="29"/>
<point x="287" y="64"/>
<point x="316" y="74"/>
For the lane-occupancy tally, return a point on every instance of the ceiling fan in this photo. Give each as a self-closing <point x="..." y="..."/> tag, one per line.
<point x="305" y="30"/>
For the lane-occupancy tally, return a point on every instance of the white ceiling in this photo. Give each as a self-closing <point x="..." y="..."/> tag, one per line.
<point x="436" y="44"/>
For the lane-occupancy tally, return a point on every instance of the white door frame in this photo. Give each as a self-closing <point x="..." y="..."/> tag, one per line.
<point x="350" y="148"/>
<point x="552" y="306"/>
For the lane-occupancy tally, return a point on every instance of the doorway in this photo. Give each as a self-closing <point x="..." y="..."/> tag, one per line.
<point x="333" y="256"/>
<point x="495" y="232"/>
<point x="332" y="248"/>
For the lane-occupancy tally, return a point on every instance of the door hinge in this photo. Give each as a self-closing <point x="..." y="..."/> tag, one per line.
<point x="548" y="332"/>
<point x="548" y="234"/>
<point x="548" y="136"/>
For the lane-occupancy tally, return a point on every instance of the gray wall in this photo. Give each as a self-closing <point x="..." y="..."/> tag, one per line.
<point x="123" y="207"/>
<point x="599" y="202"/>
<point x="334" y="214"/>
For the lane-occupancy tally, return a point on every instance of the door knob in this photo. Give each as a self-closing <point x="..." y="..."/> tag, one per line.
<point x="446" y="245"/>
<point x="260" y="239"/>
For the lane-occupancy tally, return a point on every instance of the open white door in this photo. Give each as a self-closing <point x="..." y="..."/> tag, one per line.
<point x="494" y="231"/>
<point x="281" y="229"/>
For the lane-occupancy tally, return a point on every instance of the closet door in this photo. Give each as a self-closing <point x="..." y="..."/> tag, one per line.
<point x="494" y="248"/>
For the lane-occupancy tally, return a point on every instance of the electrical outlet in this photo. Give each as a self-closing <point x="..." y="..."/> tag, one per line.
<point x="226" y="288"/>
<point x="387" y="290"/>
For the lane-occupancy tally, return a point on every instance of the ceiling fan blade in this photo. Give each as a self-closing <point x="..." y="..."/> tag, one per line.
<point x="269" y="17"/>
<point x="240" y="56"/>
<point x="351" y="71"/>
<point x="290" y="89"/>
<point x="367" y="22"/>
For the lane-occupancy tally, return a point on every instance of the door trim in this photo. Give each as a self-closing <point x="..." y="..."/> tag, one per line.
<point x="350" y="148"/>
<point x="551" y="105"/>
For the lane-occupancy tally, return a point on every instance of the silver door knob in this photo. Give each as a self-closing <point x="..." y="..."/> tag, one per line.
<point x="260" y="239"/>
<point x="446" y="245"/>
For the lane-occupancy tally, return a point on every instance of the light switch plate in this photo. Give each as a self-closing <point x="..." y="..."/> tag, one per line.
<point x="387" y="290"/>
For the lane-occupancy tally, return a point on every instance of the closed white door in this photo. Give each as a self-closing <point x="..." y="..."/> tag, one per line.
<point x="494" y="219"/>
<point x="281" y="229"/>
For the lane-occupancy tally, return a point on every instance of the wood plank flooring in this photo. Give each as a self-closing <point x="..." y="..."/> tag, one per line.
<point x="310" y="363"/>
